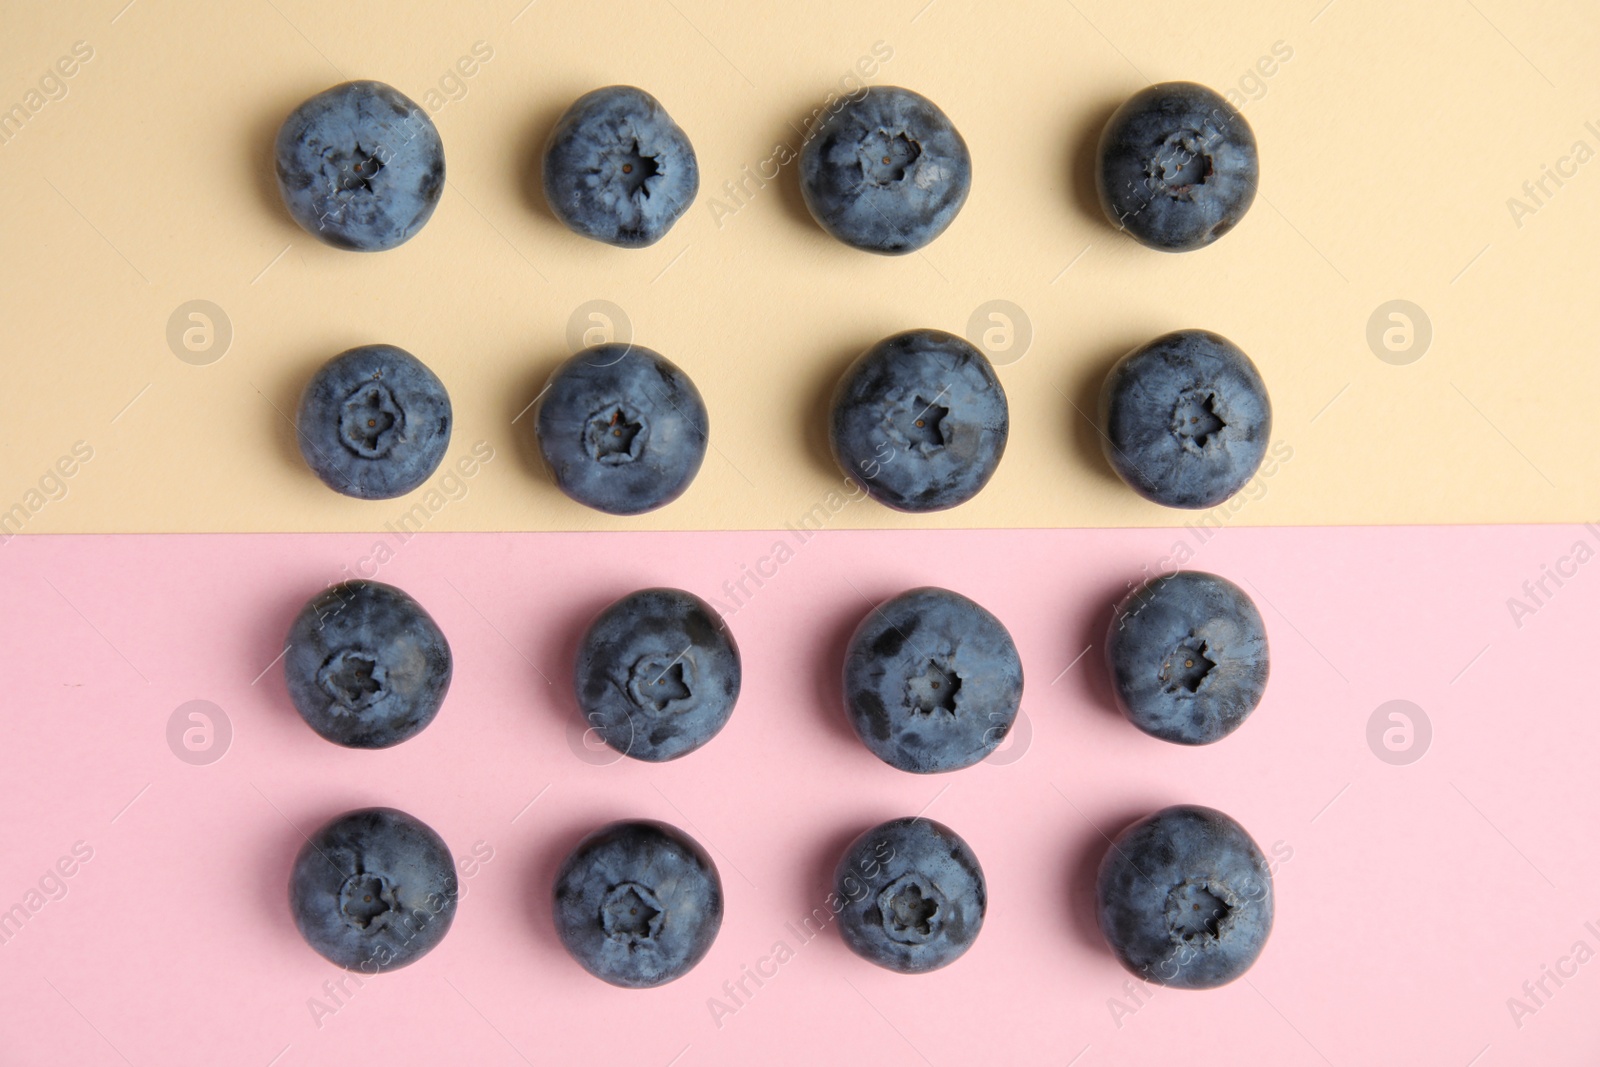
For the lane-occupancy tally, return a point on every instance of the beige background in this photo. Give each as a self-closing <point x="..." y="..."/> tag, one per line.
<point x="1392" y="139"/>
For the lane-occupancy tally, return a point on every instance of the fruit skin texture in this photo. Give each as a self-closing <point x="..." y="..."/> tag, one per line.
<point x="887" y="172"/>
<point x="367" y="667"/>
<point x="1186" y="419"/>
<point x="360" y="166"/>
<point x="1177" y="167"/>
<point x="928" y="377"/>
<point x="623" y="429"/>
<point x="638" y="903"/>
<point x="374" y="422"/>
<point x="618" y="169"/>
<point x="932" y="681"/>
<point x="913" y="894"/>
<point x="1188" y="657"/>
<point x="373" y="890"/>
<point x="1185" y="898"/>
<point x="657" y="674"/>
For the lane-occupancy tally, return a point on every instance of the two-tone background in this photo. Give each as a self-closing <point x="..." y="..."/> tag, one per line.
<point x="1415" y="282"/>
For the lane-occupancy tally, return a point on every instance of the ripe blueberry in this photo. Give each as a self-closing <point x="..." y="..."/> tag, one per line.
<point x="1177" y="167"/>
<point x="360" y="166"/>
<point x="1188" y="657"/>
<point x="374" y="422"/>
<point x="1185" y="419"/>
<point x="920" y="421"/>
<point x="618" y="169"/>
<point x="366" y="667"/>
<point x="886" y="172"/>
<point x="913" y="895"/>
<point x="657" y="674"/>
<point x="932" y="681"/>
<point x="1185" y="898"/>
<point x="622" y="428"/>
<point x="638" y="903"/>
<point x="373" y="890"/>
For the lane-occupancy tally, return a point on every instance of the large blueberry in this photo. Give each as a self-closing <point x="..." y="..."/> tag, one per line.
<point x="920" y="421"/>
<point x="886" y="172"/>
<point x="638" y="903"/>
<point x="1186" y="419"/>
<point x="373" y="890"/>
<point x="932" y="681"/>
<point x="366" y="667"/>
<point x="912" y="895"/>
<point x="1177" y="167"/>
<point x="622" y="428"/>
<point x="374" y="422"/>
<point x="1188" y="657"/>
<point x="657" y="674"/>
<point x="618" y="169"/>
<point x="1185" y="898"/>
<point x="360" y="166"/>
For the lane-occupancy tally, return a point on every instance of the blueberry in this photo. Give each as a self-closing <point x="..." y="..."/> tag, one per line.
<point x="1185" y="898"/>
<point x="373" y="890"/>
<point x="360" y="166"/>
<point x="657" y="674"/>
<point x="374" y="422"/>
<point x="912" y="894"/>
<point x="623" y="429"/>
<point x="618" y="169"/>
<point x="1186" y="419"/>
<point x="638" y="903"/>
<point x="1177" y="167"/>
<point x="932" y="681"/>
<point x="366" y="666"/>
<point x="1188" y="657"/>
<point x="886" y="172"/>
<point x="920" y="420"/>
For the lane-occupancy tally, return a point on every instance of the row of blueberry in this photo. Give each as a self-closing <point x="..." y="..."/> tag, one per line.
<point x="638" y="903"/>
<point x="883" y="170"/>
<point x="920" y="421"/>
<point x="931" y="680"/>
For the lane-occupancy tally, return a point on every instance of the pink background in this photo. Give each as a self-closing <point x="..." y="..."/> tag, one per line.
<point x="1417" y="899"/>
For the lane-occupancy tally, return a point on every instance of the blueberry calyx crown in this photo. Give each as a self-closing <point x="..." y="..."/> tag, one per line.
<point x="371" y="423"/>
<point x="631" y="914"/>
<point x="656" y="683"/>
<point x="1198" y="909"/>
<point x="615" y="434"/>
<point x="1181" y="162"/>
<point x="1195" y="419"/>
<point x="933" y="692"/>
<point x="353" y="678"/>
<point x="886" y="157"/>
<point x="365" y="899"/>
<point x="912" y="909"/>
<point x="1186" y="666"/>
<point x="634" y="171"/>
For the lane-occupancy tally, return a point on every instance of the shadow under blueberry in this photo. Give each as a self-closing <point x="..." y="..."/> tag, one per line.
<point x="829" y="673"/>
<point x="262" y="134"/>
<point x="818" y="409"/>
<point x="1083" y="148"/>
<point x="1091" y="677"/>
<point x="520" y="406"/>
<point x="558" y="655"/>
<point x="285" y="397"/>
<point x="538" y="877"/>
<point x="792" y="135"/>
<point x="529" y="153"/>
<point x="820" y="885"/>
<point x="1085" y="854"/>
<point x="270" y="884"/>
<point x="1083" y="412"/>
